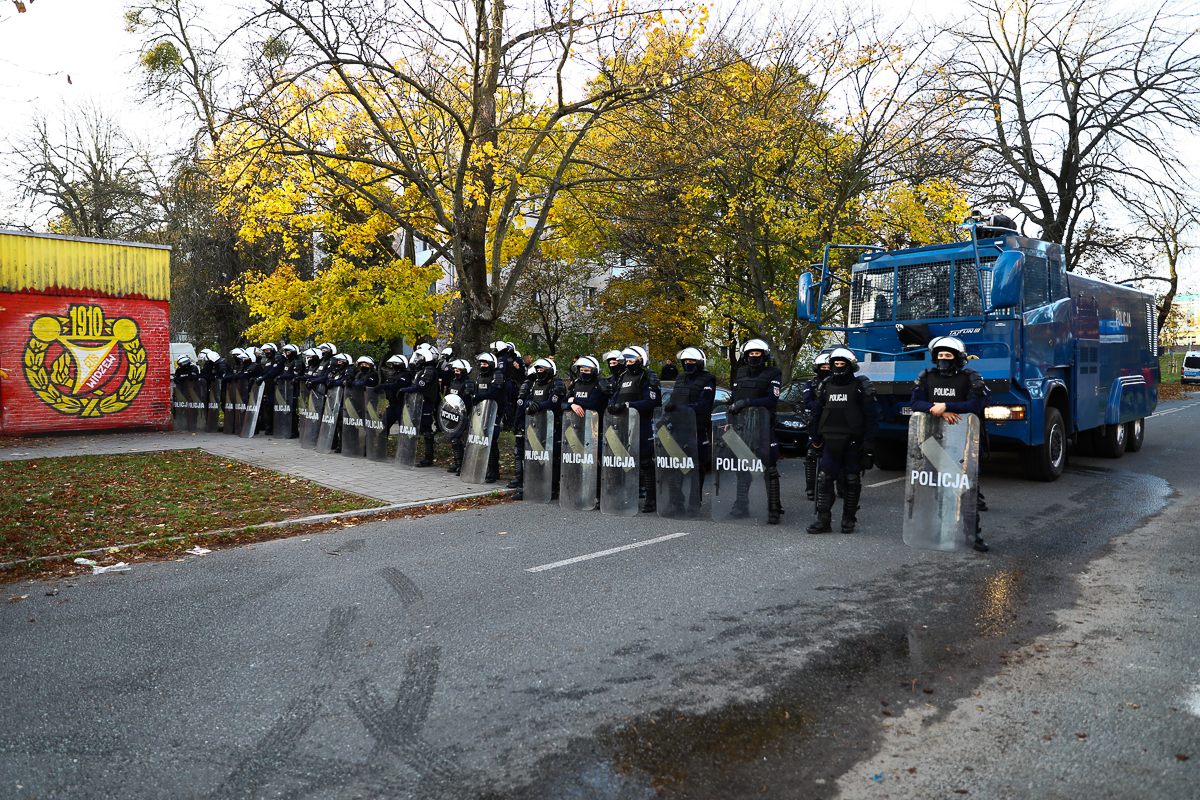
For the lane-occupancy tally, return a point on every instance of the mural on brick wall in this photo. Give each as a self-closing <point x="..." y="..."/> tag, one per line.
<point x="84" y="362"/>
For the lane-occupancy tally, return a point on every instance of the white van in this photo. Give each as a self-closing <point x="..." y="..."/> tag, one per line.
<point x="187" y="349"/>
<point x="1191" y="367"/>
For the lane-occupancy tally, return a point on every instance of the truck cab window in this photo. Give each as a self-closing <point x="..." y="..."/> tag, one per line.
<point x="1058" y="281"/>
<point x="1037" y="281"/>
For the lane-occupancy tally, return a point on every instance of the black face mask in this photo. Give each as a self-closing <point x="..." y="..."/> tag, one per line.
<point x="691" y="367"/>
<point x="635" y="368"/>
<point x="843" y="371"/>
<point x="945" y="366"/>
<point x="615" y="369"/>
<point x="365" y="368"/>
<point x="754" y="361"/>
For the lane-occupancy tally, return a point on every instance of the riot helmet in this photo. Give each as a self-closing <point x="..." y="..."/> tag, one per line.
<point x="544" y="370"/>
<point x="952" y="345"/>
<point x="238" y="354"/>
<point x="842" y="362"/>
<point x="341" y="361"/>
<point x="365" y="363"/>
<point x="821" y="365"/>
<point x="756" y="346"/>
<point x="613" y="359"/>
<point x="634" y="357"/>
<point x="269" y="349"/>
<point x="312" y="356"/>
<point x="290" y="351"/>
<point x="585" y="367"/>
<point x="487" y="363"/>
<point x="183" y="361"/>
<point x="210" y="356"/>
<point x="461" y="367"/>
<point x="693" y="360"/>
<point x="326" y="349"/>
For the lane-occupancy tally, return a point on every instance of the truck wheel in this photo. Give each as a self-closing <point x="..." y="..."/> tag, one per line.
<point x="1135" y="434"/>
<point x="1045" y="461"/>
<point x="1111" y="440"/>
<point x="891" y="454"/>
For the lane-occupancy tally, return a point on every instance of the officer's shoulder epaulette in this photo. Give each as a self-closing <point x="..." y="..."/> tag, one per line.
<point x="920" y="381"/>
<point x="865" y="385"/>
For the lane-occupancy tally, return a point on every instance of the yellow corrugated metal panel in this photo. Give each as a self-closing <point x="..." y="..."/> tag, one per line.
<point x="44" y="262"/>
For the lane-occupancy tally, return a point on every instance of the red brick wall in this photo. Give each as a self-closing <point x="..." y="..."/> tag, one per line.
<point x="83" y="363"/>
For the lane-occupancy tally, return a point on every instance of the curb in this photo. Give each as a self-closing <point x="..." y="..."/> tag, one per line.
<point x="364" y="512"/>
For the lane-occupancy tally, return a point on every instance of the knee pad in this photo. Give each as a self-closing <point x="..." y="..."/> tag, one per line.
<point x="853" y="479"/>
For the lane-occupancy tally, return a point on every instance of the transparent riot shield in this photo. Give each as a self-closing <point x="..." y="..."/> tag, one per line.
<point x="229" y="419"/>
<point x="216" y="392"/>
<point x="410" y="426"/>
<point x="479" y="442"/>
<point x="330" y="417"/>
<point x="241" y="403"/>
<point x="354" y="444"/>
<point x="195" y="405"/>
<point x="374" y="413"/>
<point x="254" y="401"/>
<point x="940" y="493"/>
<point x="283" y="409"/>
<point x="198" y="400"/>
<point x="578" y="477"/>
<point x="741" y="451"/>
<point x="539" y="457"/>
<point x="312" y="417"/>
<point x="677" y="464"/>
<point x="178" y="406"/>
<point x="303" y="394"/>
<point x="452" y="418"/>
<point x="619" y="468"/>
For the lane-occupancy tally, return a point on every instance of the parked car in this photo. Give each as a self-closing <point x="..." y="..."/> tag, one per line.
<point x="1191" y="367"/>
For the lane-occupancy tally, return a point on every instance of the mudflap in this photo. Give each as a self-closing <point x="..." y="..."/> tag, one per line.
<point x="254" y="400"/>
<point x="578" y="475"/>
<point x="940" y="493"/>
<point x="179" y="407"/>
<point x="229" y="421"/>
<point x="354" y="443"/>
<point x="410" y="425"/>
<point x="619" y="469"/>
<point x="330" y="416"/>
<point x="374" y="413"/>
<point x="539" y="457"/>
<point x="312" y="417"/>
<point x="478" y="444"/>
<point x="741" y="450"/>
<point x="677" y="466"/>
<point x="284" y="409"/>
<point x="215" y="393"/>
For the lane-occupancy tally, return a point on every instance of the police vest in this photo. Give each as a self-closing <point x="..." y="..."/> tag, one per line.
<point x="432" y="389"/>
<point x="585" y="390"/>
<point x="629" y="388"/>
<point x="842" y="408"/>
<point x="488" y="382"/>
<point x="941" y="388"/>
<point x="541" y="392"/>
<point x="752" y="387"/>
<point x="690" y="389"/>
<point x="463" y="387"/>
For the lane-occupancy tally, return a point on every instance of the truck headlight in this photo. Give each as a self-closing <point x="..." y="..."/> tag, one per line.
<point x="1005" y="413"/>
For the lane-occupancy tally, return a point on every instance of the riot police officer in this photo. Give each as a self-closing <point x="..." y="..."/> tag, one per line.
<point x="843" y="428"/>
<point x="396" y="376"/>
<point x="616" y="365"/>
<point x="696" y="389"/>
<point x="808" y="399"/>
<point x="758" y="385"/>
<point x="271" y="366"/>
<point x="524" y="386"/>
<point x="546" y="394"/>
<point x="490" y="385"/>
<point x="365" y="376"/>
<point x="951" y="390"/>
<point x="185" y="371"/>
<point x="425" y="382"/>
<point x="207" y="361"/>
<point x="463" y="387"/>
<point x="638" y="389"/>
<point x="585" y="391"/>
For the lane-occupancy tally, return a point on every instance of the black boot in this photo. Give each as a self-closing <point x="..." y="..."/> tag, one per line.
<point x="851" y="492"/>
<point x="824" y="521"/>
<point x="980" y="503"/>
<point x="810" y="475"/>
<point x="773" y="507"/>
<point x="741" y="502"/>
<point x="493" y="467"/>
<point x="518" y="480"/>
<point x="650" y="506"/>
<point x="428" y="460"/>
<point x="458" y="449"/>
<point x="980" y="544"/>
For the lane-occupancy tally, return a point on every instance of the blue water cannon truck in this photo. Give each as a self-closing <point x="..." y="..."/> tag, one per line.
<point x="1068" y="358"/>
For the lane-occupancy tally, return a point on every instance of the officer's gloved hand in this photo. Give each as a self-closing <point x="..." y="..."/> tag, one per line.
<point x="258" y="381"/>
<point x="669" y="407"/>
<point x="738" y="405"/>
<point x="868" y="455"/>
<point x="617" y="408"/>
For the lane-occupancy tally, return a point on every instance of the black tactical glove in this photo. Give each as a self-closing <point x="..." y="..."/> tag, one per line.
<point x="738" y="405"/>
<point x="617" y="408"/>
<point x="669" y="407"/>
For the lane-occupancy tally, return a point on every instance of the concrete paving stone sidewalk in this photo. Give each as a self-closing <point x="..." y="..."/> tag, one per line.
<point x="381" y="482"/>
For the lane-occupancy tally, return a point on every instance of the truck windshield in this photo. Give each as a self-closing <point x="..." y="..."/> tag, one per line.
<point x="918" y="291"/>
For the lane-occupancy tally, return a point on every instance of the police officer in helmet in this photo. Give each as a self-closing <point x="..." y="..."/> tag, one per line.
<point x="423" y="364"/>
<point x="757" y="385"/>
<point x="843" y="429"/>
<point x="951" y="390"/>
<point x="491" y="385"/>
<point x="696" y="389"/>
<point x="638" y="389"/>
<point x="546" y="394"/>
<point x="461" y="386"/>
<point x="808" y="398"/>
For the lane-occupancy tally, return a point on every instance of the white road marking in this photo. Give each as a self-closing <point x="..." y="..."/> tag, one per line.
<point x="1192" y="702"/>
<point x="884" y="483"/>
<point x="577" y="559"/>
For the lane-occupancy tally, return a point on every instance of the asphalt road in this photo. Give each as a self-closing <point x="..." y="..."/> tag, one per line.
<point x="432" y="658"/>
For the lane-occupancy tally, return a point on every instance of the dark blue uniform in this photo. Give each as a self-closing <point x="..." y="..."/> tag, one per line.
<point x="637" y="388"/>
<point x="697" y="391"/>
<point x="843" y="427"/>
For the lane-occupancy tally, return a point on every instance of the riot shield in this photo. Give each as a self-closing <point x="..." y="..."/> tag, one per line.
<point x="254" y="400"/>
<point x="452" y="417"/>
<point x="943" y="482"/>
<point x="229" y="420"/>
<point x="353" y="442"/>
<point x="374" y="414"/>
<point x="677" y="464"/>
<point x="330" y="417"/>
<point x="314" y="405"/>
<point x="539" y="457"/>
<point x="741" y="451"/>
<point x="216" y="392"/>
<point x="479" y="442"/>
<point x="577" y="482"/>
<point x="619" y="466"/>
<point x="410" y="424"/>
<point x="178" y="406"/>
<point x="283" y="409"/>
<point x="195" y="405"/>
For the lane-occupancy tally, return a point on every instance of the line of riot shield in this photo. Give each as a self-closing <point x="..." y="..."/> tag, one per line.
<point x="940" y="494"/>
<point x="254" y="401"/>
<point x="677" y="466"/>
<point x="229" y="419"/>
<point x="178" y="406"/>
<point x="619" y="467"/>
<point x="479" y="442"/>
<point x="577" y="480"/>
<point x="354" y="443"/>
<point x="410" y="427"/>
<point x="539" y="456"/>
<point x="216" y="392"/>
<point x="330" y="417"/>
<point x="283" y="409"/>
<point x="741" y="451"/>
<point x="375" y="412"/>
<point x="312" y="417"/>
